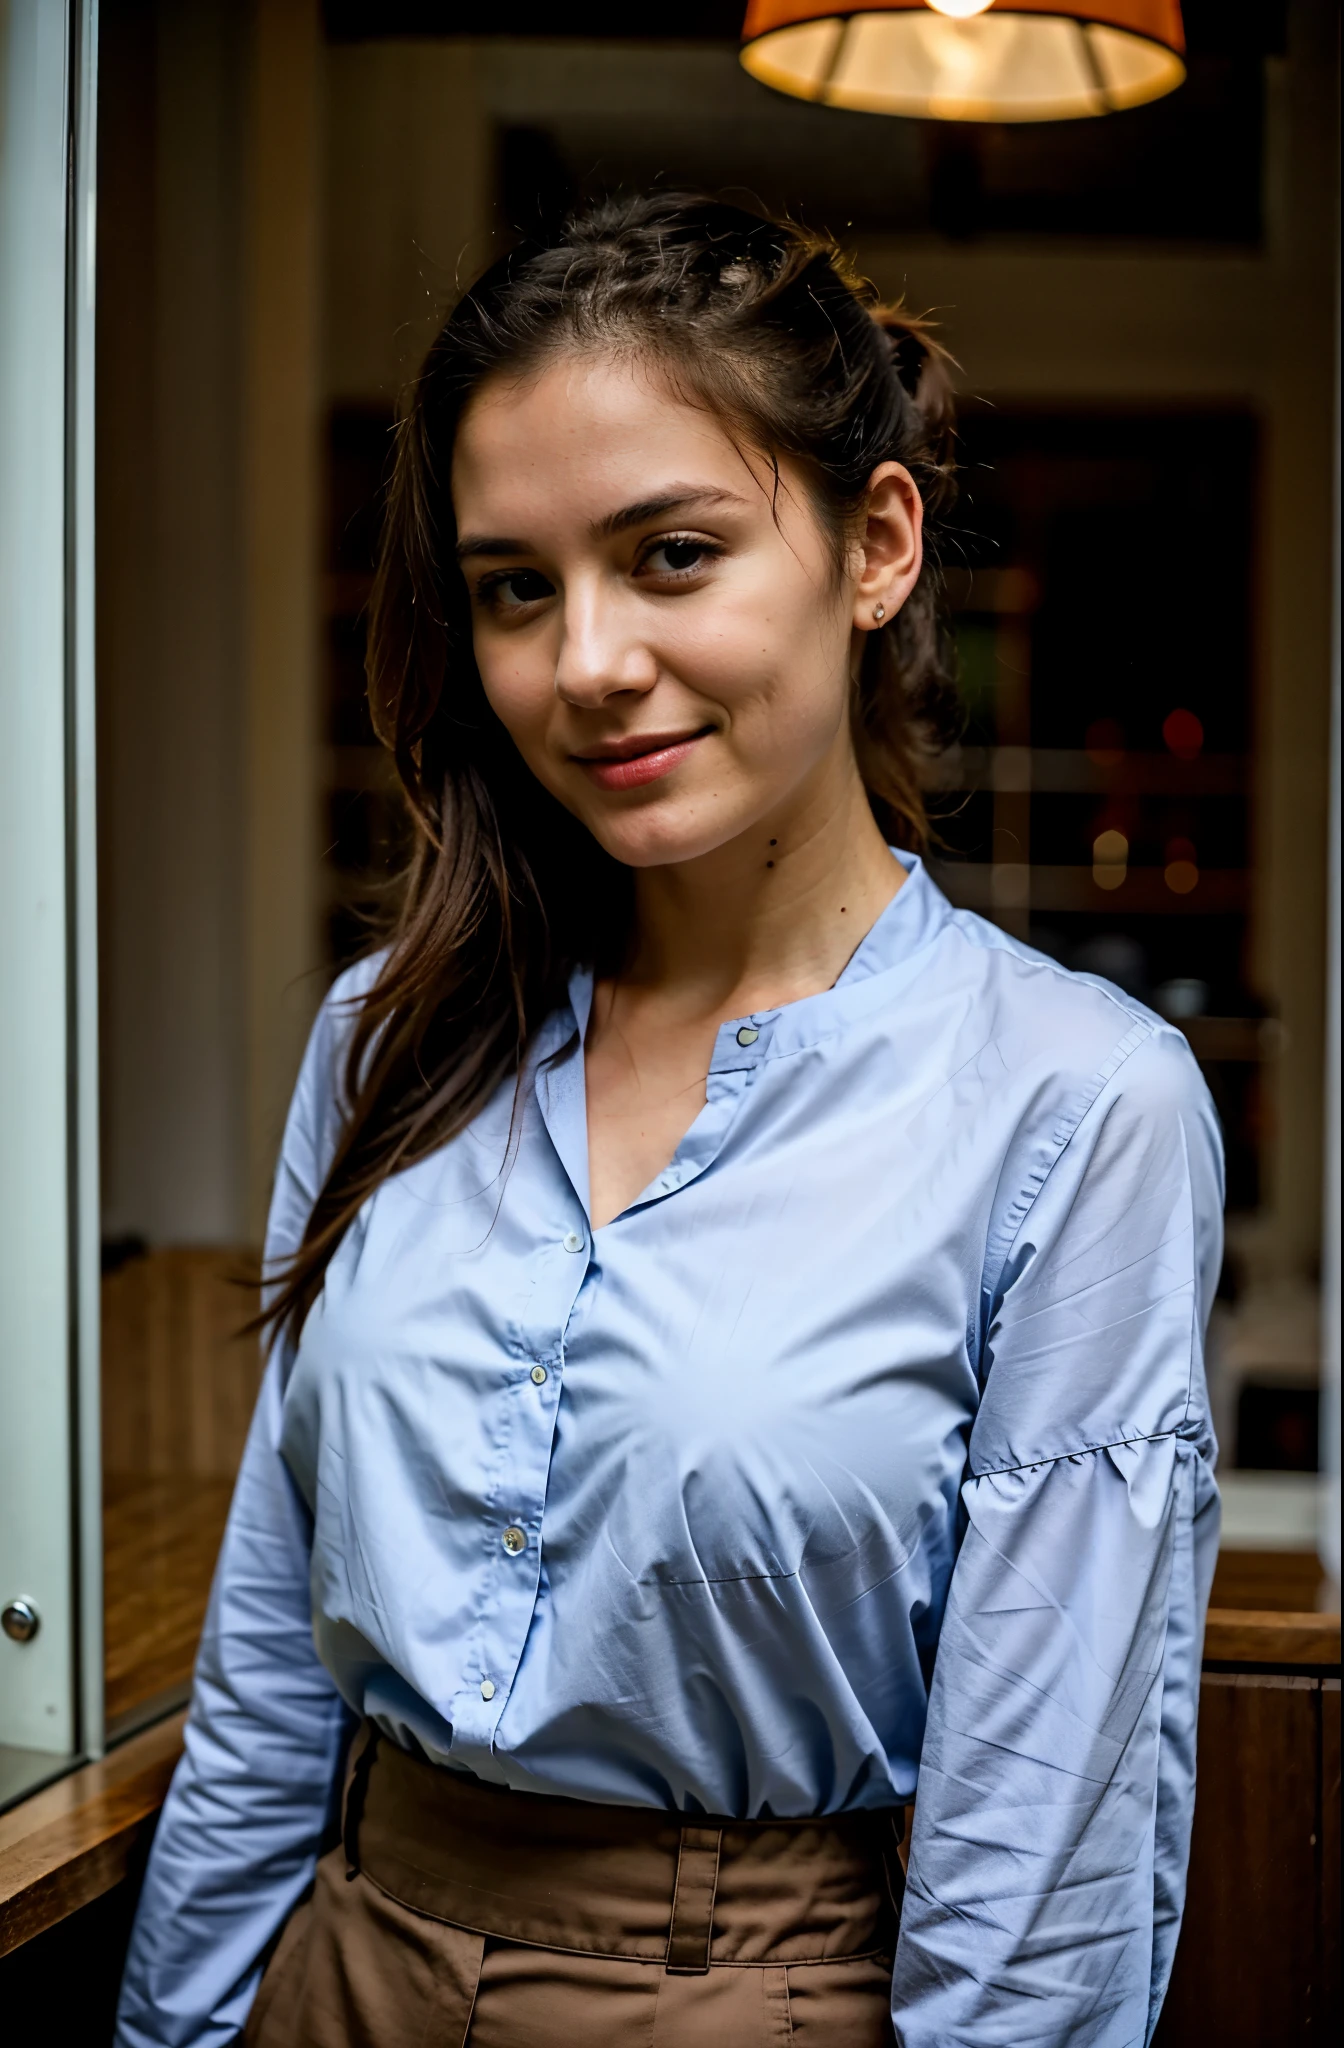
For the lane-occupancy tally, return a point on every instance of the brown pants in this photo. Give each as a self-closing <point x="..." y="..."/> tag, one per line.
<point x="456" y="1915"/>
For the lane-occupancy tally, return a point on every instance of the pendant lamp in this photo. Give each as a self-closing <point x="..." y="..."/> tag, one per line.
<point x="968" y="60"/>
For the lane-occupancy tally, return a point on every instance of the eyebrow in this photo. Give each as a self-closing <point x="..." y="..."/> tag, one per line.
<point x="677" y="498"/>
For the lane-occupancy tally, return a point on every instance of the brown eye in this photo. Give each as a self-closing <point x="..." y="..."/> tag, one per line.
<point x="678" y="557"/>
<point x="515" y="587"/>
<point x="681" y="554"/>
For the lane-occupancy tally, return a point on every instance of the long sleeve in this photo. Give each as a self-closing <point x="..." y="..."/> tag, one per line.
<point x="1056" y="1782"/>
<point x="253" y="1795"/>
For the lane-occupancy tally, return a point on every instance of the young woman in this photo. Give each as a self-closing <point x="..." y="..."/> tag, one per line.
<point x="739" y="1319"/>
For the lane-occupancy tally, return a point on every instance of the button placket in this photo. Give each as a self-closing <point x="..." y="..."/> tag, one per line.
<point x="512" y="1590"/>
<point x="512" y="1602"/>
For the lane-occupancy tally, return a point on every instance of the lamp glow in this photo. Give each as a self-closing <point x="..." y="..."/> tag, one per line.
<point x="968" y="60"/>
<point x="1110" y="860"/>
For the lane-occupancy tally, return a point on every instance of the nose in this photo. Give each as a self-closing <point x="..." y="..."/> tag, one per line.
<point x="602" y="651"/>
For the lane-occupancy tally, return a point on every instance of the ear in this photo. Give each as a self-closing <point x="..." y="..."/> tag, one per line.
<point x="892" y="547"/>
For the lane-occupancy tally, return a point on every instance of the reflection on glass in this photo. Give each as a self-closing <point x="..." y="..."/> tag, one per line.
<point x="1110" y="859"/>
<point x="178" y="1387"/>
<point x="210" y="921"/>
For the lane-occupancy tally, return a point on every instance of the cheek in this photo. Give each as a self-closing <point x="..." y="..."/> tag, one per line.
<point x="518" y="683"/>
<point x="779" y="665"/>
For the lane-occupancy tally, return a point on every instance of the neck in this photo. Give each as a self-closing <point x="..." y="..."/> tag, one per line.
<point x="772" y="915"/>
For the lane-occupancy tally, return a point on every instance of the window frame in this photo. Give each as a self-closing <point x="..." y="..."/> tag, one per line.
<point x="51" y="1685"/>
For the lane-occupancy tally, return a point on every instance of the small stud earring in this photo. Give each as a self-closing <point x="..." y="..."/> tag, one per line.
<point x="879" y="612"/>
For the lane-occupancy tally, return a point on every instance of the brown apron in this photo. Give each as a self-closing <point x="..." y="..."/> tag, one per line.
<point x="459" y="1915"/>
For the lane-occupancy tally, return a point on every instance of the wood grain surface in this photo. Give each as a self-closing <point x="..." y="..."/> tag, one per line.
<point x="160" y="1541"/>
<point x="1261" y="1579"/>
<point x="179" y="1379"/>
<point x="71" y="1843"/>
<point x="1258" y="1959"/>
<point x="179" y="1386"/>
<point x="1237" y="1637"/>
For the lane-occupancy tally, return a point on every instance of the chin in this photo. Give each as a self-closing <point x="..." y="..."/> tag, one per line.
<point x="643" y="838"/>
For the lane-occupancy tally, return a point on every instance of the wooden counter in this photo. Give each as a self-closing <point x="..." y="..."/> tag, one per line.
<point x="71" y="1843"/>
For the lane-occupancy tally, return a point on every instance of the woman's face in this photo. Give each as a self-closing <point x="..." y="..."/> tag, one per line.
<point x="665" y="639"/>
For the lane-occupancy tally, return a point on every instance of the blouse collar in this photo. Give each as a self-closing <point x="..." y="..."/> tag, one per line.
<point x="911" y="921"/>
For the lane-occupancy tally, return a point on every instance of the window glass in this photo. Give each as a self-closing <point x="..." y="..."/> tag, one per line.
<point x="210" y="927"/>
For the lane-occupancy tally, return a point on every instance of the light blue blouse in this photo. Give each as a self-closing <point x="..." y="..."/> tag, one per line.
<point x="867" y="1453"/>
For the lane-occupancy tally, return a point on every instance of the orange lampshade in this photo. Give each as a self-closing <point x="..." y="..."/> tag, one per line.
<point x="968" y="60"/>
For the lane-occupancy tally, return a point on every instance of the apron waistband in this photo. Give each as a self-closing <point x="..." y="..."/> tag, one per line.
<point x="634" y="1882"/>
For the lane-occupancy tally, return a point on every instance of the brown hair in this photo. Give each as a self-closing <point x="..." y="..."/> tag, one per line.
<point x="766" y="325"/>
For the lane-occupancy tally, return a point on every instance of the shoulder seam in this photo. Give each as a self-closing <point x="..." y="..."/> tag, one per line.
<point x="996" y="941"/>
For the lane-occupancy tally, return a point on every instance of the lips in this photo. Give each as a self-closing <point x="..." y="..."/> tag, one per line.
<point x="637" y="761"/>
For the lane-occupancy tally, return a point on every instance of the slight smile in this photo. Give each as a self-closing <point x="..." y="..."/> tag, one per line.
<point x="644" y="757"/>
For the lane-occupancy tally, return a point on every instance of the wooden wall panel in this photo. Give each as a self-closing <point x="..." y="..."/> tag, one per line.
<point x="1252" y="1969"/>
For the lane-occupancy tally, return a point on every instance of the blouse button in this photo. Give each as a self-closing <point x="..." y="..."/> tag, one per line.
<point x="538" y="1375"/>
<point x="571" y="1241"/>
<point x="513" y="1539"/>
<point x="487" y="1688"/>
<point x="747" y="1036"/>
